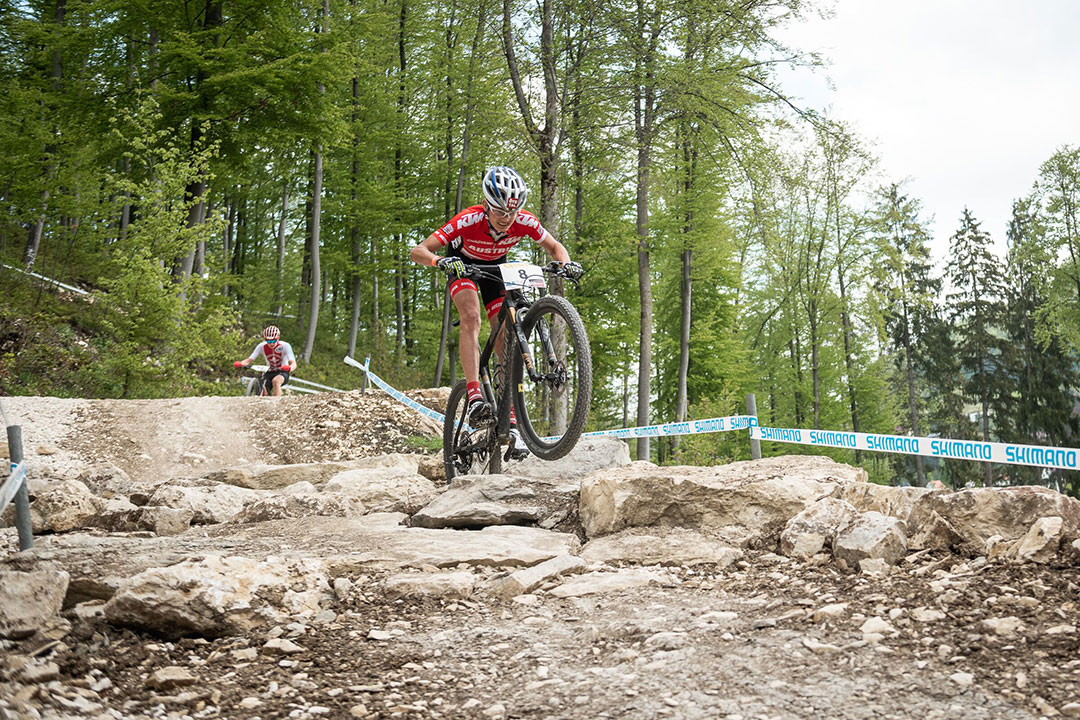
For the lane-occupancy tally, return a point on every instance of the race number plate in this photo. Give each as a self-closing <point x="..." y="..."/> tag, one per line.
<point x="520" y="275"/>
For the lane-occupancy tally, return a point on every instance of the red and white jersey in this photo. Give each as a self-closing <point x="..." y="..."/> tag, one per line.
<point x="469" y="232"/>
<point x="275" y="356"/>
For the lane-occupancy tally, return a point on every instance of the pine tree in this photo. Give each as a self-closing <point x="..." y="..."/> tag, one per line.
<point x="975" y="308"/>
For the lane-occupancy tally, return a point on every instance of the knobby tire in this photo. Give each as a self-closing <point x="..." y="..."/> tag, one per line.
<point x="454" y="435"/>
<point x="547" y="307"/>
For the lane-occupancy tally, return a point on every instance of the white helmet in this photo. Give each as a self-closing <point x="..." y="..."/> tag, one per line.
<point x="504" y="188"/>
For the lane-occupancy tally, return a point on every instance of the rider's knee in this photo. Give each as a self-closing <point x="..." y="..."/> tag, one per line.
<point x="470" y="322"/>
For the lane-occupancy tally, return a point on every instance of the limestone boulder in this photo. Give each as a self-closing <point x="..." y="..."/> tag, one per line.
<point x="588" y="456"/>
<point x="660" y="546"/>
<point x="1040" y="543"/>
<point x="388" y="546"/>
<point x="456" y="585"/>
<point x="965" y="520"/>
<point x="603" y="582"/>
<point x="218" y="596"/>
<point x="157" y="519"/>
<point x="897" y="502"/>
<point x="107" y="480"/>
<point x="758" y="495"/>
<point x="211" y="503"/>
<point x="30" y="600"/>
<point x="824" y="519"/>
<point x="475" y="501"/>
<point x="870" y="536"/>
<point x="58" y="506"/>
<point x="528" y="579"/>
<point x="390" y="489"/>
<point x="298" y="505"/>
<point x="277" y="477"/>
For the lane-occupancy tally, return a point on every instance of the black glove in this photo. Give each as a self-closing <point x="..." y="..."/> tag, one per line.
<point x="573" y="270"/>
<point x="452" y="266"/>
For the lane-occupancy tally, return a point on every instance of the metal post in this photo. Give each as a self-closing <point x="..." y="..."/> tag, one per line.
<point x="22" y="497"/>
<point x="751" y="409"/>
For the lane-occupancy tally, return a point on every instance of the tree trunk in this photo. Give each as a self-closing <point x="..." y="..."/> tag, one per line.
<point x="316" y="269"/>
<point x="316" y="213"/>
<point x="279" y="289"/>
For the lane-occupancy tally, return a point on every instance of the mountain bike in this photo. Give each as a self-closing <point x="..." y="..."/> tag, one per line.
<point x="256" y="385"/>
<point x="545" y="374"/>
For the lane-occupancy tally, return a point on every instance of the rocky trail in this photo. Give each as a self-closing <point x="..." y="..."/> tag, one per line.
<point x="304" y="557"/>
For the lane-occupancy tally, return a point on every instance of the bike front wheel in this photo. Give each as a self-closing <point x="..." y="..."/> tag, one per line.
<point x="467" y="451"/>
<point x="552" y="407"/>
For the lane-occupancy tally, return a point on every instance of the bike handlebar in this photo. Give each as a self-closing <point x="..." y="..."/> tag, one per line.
<point x="552" y="268"/>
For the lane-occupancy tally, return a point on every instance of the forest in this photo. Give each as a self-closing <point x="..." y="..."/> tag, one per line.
<point x="207" y="167"/>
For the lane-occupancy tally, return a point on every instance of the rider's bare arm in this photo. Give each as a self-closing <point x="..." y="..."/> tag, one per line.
<point x="424" y="253"/>
<point x="554" y="248"/>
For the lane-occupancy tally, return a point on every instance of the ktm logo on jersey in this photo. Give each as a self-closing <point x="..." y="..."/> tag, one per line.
<point x="528" y="221"/>
<point x="470" y="219"/>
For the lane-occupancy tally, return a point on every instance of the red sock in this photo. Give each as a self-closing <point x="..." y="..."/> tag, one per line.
<point x="473" y="389"/>
<point x="513" y="420"/>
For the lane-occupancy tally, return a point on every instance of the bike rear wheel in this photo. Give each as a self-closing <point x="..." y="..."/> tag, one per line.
<point x="467" y="451"/>
<point x="552" y="411"/>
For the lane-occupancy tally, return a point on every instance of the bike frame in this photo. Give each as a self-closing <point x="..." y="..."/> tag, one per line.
<point x="509" y="317"/>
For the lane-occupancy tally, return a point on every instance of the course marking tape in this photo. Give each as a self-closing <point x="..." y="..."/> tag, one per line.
<point x="12" y="485"/>
<point x="396" y="394"/>
<point x="292" y="380"/>
<point x="1004" y="453"/>
<point x="688" y="427"/>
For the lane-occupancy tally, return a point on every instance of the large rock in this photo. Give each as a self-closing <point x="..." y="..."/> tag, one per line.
<point x="897" y="502"/>
<point x="279" y="507"/>
<point x="660" y="546"/>
<point x="1041" y="542"/>
<point x="823" y="519"/>
<point x="391" y="489"/>
<point x="528" y="579"/>
<point x="759" y="495"/>
<point x="603" y="582"/>
<point x="107" y="480"/>
<point x="28" y="600"/>
<point x="589" y="455"/>
<point x="157" y="519"/>
<point x="391" y="547"/>
<point x="870" y="536"/>
<point x="965" y="520"/>
<point x="219" y="595"/>
<point x="210" y="503"/>
<point x="445" y="585"/>
<point x="59" y="506"/>
<point x="474" y="501"/>
<point x="276" y="477"/>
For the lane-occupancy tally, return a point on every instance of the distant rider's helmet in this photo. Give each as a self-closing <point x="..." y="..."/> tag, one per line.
<point x="271" y="333"/>
<point x="504" y="188"/>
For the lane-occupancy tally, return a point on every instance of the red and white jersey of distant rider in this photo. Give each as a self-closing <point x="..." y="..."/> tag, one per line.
<point x="276" y="356"/>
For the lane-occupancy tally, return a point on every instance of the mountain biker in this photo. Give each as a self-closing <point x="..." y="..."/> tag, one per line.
<point x="482" y="235"/>
<point x="279" y="356"/>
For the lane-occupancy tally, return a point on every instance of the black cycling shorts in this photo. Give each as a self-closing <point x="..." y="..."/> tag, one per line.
<point x="269" y="375"/>
<point x="491" y="291"/>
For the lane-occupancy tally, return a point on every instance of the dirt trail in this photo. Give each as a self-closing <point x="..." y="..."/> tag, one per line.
<point x="153" y="440"/>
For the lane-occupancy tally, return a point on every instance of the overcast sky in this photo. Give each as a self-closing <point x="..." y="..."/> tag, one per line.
<point x="964" y="97"/>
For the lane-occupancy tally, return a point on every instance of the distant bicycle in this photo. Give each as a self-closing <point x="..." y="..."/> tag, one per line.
<point x="256" y="385"/>
<point x="548" y="380"/>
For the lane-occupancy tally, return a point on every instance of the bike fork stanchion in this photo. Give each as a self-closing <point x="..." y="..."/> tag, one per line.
<point x="22" y="496"/>
<point x="751" y="409"/>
